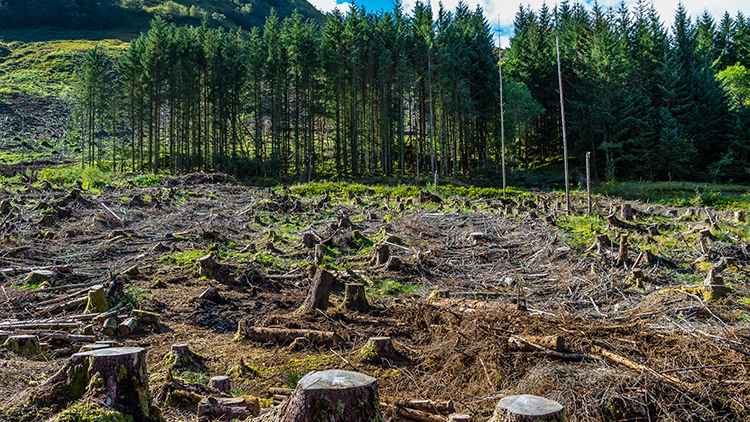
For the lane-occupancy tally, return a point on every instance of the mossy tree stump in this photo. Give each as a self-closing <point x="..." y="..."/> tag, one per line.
<point x="97" y="302"/>
<point x="181" y="357"/>
<point x="331" y="396"/>
<point x="221" y="383"/>
<point x="528" y="408"/>
<point x="24" y="345"/>
<point x="379" y="349"/>
<point x="354" y="297"/>
<point x="116" y="377"/>
<point x="320" y="290"/>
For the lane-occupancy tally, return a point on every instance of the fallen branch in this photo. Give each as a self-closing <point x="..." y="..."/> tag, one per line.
<point x="284" y="335"/>
<point x="622" y="360"/>
<point x="521" y="341"/>
<point x="413" y="414"/>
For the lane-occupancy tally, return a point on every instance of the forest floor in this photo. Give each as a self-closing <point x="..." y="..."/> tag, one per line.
<point x="650" y="345"/>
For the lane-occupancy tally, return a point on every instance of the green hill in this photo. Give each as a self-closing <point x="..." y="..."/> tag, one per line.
<point x="127" y="18"/>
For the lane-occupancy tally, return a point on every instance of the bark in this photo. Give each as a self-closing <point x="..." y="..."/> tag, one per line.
<point x="227" y="409"/>
<point x="527" y="408"/>
<point x="380" y="254"/>
<point x="440" y="407"/>
<point x="331" y="396"/>
<point x="320" y="290"/>
<point x="284" y="335"/>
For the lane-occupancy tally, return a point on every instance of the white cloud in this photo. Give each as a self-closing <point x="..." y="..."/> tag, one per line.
<point x="327" y="6"/>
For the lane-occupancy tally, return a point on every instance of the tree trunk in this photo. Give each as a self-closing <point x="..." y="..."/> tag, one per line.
<point x="331" y="396"/>
<point x="527" y="408"/>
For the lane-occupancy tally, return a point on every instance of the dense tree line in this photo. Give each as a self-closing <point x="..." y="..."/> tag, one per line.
<point x="61" y="13"/>
<point x="390" y="94"/>
<point x="648" y="102"/>
<point x="367" y="94"/>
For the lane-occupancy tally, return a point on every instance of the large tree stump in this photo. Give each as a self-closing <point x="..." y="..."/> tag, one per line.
<point x="394" y="263"/>
<point x="207" y="266"/>
<point x="379" y="349"/>
<point x="332" y="396"/>
<point x="116" y="377"/>
<point x="354" y="297"/>
<point x="24" y="345"/>
<point x="320" y="290"/>
<point x="227" y="409"/>
<point x="527" y="408"/>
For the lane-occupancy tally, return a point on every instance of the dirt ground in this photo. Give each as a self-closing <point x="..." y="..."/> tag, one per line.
<point x="685" y="354"/>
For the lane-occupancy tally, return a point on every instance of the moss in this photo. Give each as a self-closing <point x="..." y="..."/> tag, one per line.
<point x="95" y="381"/>
<point x="89" y="412"/>
<point x="122" y="373"/>
<point x="181" y="398"/>
<point x="368" y="351"/>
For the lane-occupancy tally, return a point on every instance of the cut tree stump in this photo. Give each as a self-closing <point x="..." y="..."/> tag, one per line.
<point x="379" y="349"/>
<point x="331" y="396"/>
<point x="528" y="408"/>
<point x="97" y="302"/>
<point x="227" y="409"/>
<point x="318" y="255"/>
<point x="626" y="212"/>
<point x="622" y="256"/>
<point x="221" y="383"/>
<point x="145" y="317"/>
<point x="308" y="239"/>
<point x="180" y="356"/>
<point x="394" y="263"/>
<point x="24" y="345"/>
<point x="380" y="254"/>
<point x="284" y="335"/>
<point x="601" y="241"/>
<point x="354" y="297"/>
<point x="117" y="377"/>
<point x="211" y="294"/>
<point x="320" y="290"/>
<point x="207" y="266"/>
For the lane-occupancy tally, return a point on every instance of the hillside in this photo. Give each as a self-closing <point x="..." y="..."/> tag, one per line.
<point x="130" y="17"/>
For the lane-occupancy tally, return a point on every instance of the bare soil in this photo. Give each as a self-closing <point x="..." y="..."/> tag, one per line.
<point x="523" y="278"/>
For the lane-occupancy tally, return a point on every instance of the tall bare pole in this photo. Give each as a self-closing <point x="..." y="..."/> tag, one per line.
<point x="588" y="178"/>
<point x="502" y="110"/>
<point x="565" y="137"/>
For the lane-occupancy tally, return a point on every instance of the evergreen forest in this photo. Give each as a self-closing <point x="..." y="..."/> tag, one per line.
<point x="396" y="94"/>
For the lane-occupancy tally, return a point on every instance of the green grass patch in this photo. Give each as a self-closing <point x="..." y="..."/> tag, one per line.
<point x="680" y="194"/>
<point x="392" y="287"/>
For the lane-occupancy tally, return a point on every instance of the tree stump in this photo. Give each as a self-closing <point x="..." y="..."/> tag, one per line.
<point x="207" y="266"/>
<point x="477" y="238"/>
<point x="24" y="345"/>
<point x="332" y="396"/>
<point x="96" y="301"/>
<point x="221" y="383"/>
<point x="180" y="356"/>
<point x="713" y="287"/>
<point x="371" y="216"/>
<point x="343" y="222"/>
<point x="601" y="241"/>
<point x="320" y="290"/>
<point x="527" y="408"/>
<point x="380" y="254"/>
<point x="622" y="256"/>
<point x="116" y="377"/>
<point x="318" y="255"/>
<point x="394" y="263"/>
<point x="308" y="239"/>
<point x="739" y="216"/>
<point x="626" y="212"/>
<point x="653" y="231"/>
<point x="354" y="297"/>
<point x="211" y="294"/>
<point x="379" y="349"/>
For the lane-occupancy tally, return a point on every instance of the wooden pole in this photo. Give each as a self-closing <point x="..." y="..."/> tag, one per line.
<point x="588" y="179"/>
<point x="502" y="113"/>
<point x="565" y="137"/>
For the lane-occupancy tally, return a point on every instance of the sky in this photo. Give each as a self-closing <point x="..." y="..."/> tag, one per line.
<point x="504" y="11"/>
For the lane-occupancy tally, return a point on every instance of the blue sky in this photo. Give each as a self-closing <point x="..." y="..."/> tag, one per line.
<point x="504" y="11"/>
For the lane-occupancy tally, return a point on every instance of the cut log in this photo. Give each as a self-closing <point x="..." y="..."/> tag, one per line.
<point x="438" y="407"/>
<point x="24" y="345"/>
<point x="379" y="349"/>
<point x="380" y="254"/>
<point x="320" y="290"/>
<point x="354" y="297"/>
<point x="556" y="343"/>
<point x="116" y="377"/>
<point x="110" y="326"/>
<point x="284" y="335"/>
<point x="528" y="408"/>
<point x="127" y="327"/>
<point x="412" y="414"/>
<point x="221" y="383"/>
<point x="459" y="417"/>
<point x="145" y="317"/>
<point x="280" y="391"/>
<point x="227" y="409"/>
<point x="332" y="396"/>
